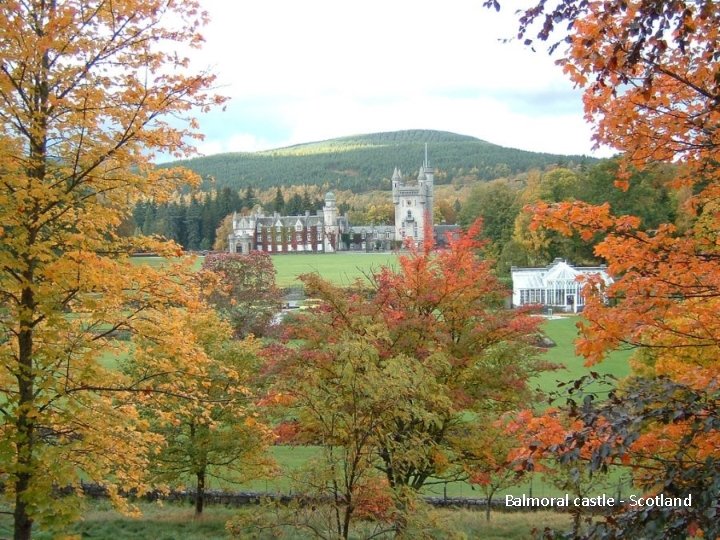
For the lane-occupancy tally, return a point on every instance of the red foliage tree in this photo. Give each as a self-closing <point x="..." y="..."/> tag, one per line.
<point x="248" y="297"/>
<point x="409" y="354"/>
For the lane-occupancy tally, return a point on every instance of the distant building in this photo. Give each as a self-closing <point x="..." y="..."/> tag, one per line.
<point x="413" y="202"/>
<point x="372" y="238"/>
<point x="555" y="286"/>
<point x="290" y="234"/>
<point x="328" y="232"/>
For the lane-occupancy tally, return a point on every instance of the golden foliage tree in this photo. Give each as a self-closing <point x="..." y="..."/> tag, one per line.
<point x="208" y="420"/>
<point x="87" y="88"/>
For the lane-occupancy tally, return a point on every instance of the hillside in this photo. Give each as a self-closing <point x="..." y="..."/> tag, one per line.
<point x="366" y="162"/>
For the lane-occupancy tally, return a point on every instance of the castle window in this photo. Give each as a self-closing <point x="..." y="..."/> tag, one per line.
<point x="409" y="202"/>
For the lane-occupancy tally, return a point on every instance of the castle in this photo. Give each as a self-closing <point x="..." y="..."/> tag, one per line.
<point x="326" y="231"/>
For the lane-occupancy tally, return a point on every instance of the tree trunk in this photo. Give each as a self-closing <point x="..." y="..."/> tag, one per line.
<point x="22" y="521"/>
<point x="23" y="455"/>
<point x="200" y="493"/>
<point x="24" y="423"/>
<point x="347" y="518"/>
<point x="488" y="503"/>
<point x="576" y="524"/>
<point x="401" y="519"/>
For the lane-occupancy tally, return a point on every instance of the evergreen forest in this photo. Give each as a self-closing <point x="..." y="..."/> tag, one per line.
<point x="366" y="162"/>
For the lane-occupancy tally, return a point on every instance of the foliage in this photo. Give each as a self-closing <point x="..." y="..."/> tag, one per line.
<point x="223" y="231"/>
<point x="649" y="74"/>
<point x="542" y="245"/>
<point x="86" y="89"/>
<point x="247" y="294"/>
<point x="497" y="203"/>
<point x="650" y="84"/>
<point x="490" y="465"/>
<point x="340" y="400"/>
<point x="433" y="335"/>
<point x="217" y="435"/>
<point x="516" y="243"/>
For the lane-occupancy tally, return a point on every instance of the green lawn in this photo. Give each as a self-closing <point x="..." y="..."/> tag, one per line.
<point x="564" y="332"/>
<point x="339" y="268"/>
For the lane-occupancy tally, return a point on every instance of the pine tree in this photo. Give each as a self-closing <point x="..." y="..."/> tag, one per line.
<point x="279" y="202"/>
<point x="193" y="225"/>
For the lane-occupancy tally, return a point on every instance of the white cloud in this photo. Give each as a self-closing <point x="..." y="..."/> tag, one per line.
<point x="239" y="142"/>
<point x="304" y="71"/>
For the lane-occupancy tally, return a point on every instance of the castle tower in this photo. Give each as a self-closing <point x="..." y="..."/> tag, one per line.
<point x="429" y="185"/>
<point x="413" y="203"/>
<point x="331" y="236"/>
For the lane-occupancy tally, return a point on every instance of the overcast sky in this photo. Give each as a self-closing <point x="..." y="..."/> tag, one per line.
<point x="302" y="71"/>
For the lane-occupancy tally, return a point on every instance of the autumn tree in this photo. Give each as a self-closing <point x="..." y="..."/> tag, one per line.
<point x="497" y="204"/>
<point x="338" y="398"/>
<point x="218" y="433"/>
<point x="246" y="294"/>
<point x="489" y="459"/>
<point x="541" y="245"/>
<point x="222" y="232"/>
<point x="649" y="74"/>
<point x="438" y="339"/>
<point x="87" y="88"/>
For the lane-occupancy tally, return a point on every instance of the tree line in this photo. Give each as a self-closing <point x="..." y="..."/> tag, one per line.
<point x="193" y="221"/>
<point x="505" y="207"/>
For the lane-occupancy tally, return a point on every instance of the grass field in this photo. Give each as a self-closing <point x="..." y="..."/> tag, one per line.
<point x="339" y="268"/>
<point x="177" y="522"/>
<point x="563" y="332"/>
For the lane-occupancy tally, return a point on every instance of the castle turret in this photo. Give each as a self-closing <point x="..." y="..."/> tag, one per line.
<point x="413" y="203"/>
<point x="422" y="190"/>
<point x="429" y="174"/>
<point x="330" y="221"/>
<point x="396" y="181"/>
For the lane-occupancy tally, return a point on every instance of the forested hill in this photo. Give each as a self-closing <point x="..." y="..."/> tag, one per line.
<point x="366" y="162"/>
